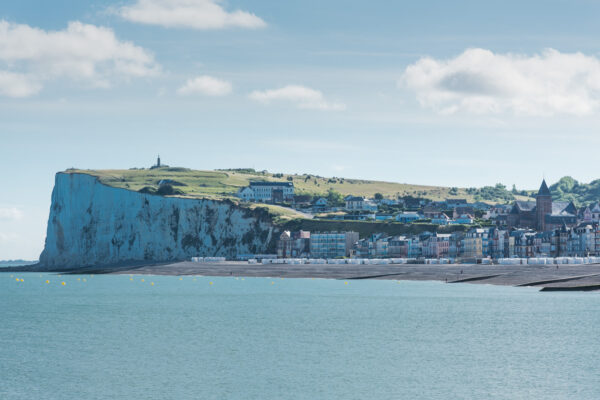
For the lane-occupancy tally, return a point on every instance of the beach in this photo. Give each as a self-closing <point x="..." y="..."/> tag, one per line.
<point x="547" y="277"/>
<point x="584" y="277"/>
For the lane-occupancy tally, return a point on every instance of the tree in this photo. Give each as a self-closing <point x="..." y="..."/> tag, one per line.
<point x="378" y="196"/>
<point x="165" y="189"/>
<point x="334" y="198"/>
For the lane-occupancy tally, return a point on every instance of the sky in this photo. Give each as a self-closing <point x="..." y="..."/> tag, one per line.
<point x="462" y="93"/>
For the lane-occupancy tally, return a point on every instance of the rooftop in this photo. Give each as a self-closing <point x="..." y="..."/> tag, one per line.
<point x="544" y="191"/>
<point x="265" y="183"/>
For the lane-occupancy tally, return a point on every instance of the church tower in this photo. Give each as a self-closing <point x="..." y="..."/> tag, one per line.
<point x="543" y="203"/>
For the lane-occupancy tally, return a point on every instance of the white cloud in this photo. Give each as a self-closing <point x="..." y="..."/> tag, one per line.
<point x="302" y="96"/>
<point x="195" y="14"/>
<point x="86" y="53"/>
<point x="17" y="85"/>
<point x="10" y="213"/>
<point x="205" y="85"/>
<point x="480" y="81"/>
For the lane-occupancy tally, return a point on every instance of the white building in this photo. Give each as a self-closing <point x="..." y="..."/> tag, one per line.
<point x="409" y="216"/>
<point x="354" y="203"/>
<point x="267" y="192"/>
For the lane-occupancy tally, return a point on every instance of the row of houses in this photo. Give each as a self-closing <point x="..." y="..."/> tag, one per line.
<point x="543" y="215"/>
<point x="283" y="191"/>
<point x="476" y="243"/>
<point x="360" y="208"/>
<point x="580" y="241"/>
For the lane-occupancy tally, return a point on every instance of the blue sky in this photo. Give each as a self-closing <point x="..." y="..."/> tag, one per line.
<point x="464" y="93"/>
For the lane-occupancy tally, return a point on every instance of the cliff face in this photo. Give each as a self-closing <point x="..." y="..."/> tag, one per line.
<point x="94" y="224"/>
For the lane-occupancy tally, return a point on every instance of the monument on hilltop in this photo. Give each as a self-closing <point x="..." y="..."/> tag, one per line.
<point x="158" y="164"/>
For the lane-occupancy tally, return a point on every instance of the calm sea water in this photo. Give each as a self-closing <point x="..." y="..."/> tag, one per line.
<point x="110" y="337"/>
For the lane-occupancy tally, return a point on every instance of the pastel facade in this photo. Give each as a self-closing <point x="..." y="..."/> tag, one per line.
<point x="293" y="244"/>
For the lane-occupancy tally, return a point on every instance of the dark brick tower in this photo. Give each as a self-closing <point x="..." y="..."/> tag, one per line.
<point x="543" y="206"/>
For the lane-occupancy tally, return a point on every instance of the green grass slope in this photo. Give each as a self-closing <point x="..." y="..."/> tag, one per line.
<point x="225" y="183"/>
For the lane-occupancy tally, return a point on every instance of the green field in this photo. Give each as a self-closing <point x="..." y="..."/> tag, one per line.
<point x="224" y="184"/>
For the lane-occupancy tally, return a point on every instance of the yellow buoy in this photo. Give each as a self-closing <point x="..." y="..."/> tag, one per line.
<point x="180" y="279"/>
<point x="142" y="280"/>
<point x="211" y="283"/>
<point x="63" y="283"/>
<point x="152" y="283"/>
<point x="79" y="279"/>
<point x="131" y="279"/>
<point x="47" y="281"/>
<point x="345" y="283"/>
<point x="17" y="279"/>
<point x="22" y="280"/>
<point x="272" y="283"/>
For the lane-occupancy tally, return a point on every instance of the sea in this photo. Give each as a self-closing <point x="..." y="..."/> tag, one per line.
<point x="168" y="337"/>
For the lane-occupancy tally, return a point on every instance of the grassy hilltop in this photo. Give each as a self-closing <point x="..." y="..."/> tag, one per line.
<point x="222" y="184"/>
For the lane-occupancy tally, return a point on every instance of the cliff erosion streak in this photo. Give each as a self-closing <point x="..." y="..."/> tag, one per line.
<point x="94" y="224"/>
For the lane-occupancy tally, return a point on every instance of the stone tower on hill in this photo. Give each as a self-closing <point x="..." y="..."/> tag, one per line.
<point x="543" y="202"/>
<point x="158" y="164"/>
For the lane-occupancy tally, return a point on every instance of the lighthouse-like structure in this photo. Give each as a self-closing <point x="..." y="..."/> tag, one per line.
<point x="158" y="164"/>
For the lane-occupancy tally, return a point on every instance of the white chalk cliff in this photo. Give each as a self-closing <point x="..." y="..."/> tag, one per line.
<point x="91" y="223"/>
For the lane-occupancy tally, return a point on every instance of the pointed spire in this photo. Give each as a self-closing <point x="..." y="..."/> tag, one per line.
<point x="544" y="191"/>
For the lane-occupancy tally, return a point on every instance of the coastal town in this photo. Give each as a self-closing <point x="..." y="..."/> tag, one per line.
<point x="457" y="231"/>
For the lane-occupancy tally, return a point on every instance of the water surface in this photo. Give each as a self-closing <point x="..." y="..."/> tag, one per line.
<point x="118" y="337"/>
